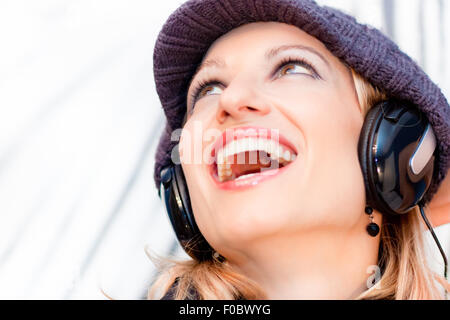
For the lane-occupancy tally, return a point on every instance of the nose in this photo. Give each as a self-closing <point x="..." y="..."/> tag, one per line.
<point x="242" y="98"/>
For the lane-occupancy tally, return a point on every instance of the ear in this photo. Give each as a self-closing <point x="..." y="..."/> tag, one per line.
<point x="439" y="207"/>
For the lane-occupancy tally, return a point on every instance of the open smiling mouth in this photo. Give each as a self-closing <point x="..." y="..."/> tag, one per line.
<point x="250" y="156"/>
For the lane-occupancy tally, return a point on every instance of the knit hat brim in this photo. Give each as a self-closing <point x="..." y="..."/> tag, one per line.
<point x="194" y="26"/>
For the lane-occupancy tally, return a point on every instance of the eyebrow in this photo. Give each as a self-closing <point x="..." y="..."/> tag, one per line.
<point x="275" y="51"/>
<point x="217" y="63"/>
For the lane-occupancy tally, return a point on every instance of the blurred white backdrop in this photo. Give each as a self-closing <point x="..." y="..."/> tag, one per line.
<point x="79" y="124"/>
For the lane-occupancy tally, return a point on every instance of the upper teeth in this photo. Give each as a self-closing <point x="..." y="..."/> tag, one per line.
<point x="276" y="151"/>
<point x="271" y="147"/>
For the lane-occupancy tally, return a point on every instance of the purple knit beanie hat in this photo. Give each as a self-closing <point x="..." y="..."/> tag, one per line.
<point x="193" y="27"/>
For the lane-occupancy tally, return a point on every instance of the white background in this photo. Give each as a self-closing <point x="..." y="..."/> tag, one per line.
<point x="79" y="123"/>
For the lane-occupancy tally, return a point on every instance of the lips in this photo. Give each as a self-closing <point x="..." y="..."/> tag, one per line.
<point x="246" y="156"/>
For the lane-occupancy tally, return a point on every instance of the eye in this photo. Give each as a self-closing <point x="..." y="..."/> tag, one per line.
<point x="205" y="88"/>
<point x="295" y="66"/>
<point x="208" y="90"/>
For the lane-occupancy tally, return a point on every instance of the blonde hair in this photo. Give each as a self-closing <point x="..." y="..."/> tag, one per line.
<point x="402" y="257"/>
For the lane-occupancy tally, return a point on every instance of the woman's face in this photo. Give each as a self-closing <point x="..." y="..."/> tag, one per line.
<point x="274" y="76"/>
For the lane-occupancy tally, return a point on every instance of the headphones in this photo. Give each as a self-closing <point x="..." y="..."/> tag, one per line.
<point x="175" y="196"/>
<point x="396" y="153"/>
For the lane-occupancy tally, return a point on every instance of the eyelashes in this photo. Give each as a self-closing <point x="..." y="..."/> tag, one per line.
<point x="200" y="86"/>
<point x="203" y="84"/>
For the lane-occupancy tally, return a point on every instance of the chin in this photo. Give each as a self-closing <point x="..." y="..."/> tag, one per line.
<point x="262" y="211"/>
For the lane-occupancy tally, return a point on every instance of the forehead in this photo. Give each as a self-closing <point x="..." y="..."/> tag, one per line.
<point x="256" y="37"/>
<point x="255" y="42"/>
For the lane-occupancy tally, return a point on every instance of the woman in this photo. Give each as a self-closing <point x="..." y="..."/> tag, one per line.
<point x="301" y="220"/>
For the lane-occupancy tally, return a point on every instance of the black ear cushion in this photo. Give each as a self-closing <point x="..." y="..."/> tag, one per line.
<point x="183" y="192"/>
<point x="175" y="207"/>
<point x="365" y="145"/>
<point x="197" y="247"/>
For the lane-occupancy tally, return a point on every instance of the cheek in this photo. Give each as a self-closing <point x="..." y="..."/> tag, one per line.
<point x="193" y="145"/>
<point x="319" y="106"/>
<point x="330" y="121"/>
<point x="200" y="197"/>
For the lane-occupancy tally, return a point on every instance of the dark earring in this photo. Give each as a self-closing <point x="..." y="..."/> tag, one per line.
<point x="218" y="257"/>
<point x="372" y="227"/>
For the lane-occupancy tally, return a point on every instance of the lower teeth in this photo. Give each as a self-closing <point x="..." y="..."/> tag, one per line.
<point x="245" y="176"/>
